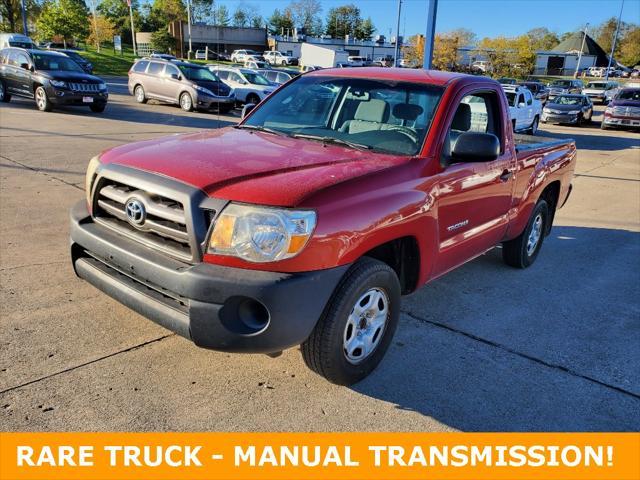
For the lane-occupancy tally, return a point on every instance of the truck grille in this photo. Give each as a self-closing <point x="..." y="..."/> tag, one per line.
<point x="144" y="216"/>
<point x="627" y="111"/>
<point x="84" y="87"/>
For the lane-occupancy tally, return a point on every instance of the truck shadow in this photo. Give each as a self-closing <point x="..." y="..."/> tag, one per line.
<point x="551" y="348"/>
<point x="587" y="139"/>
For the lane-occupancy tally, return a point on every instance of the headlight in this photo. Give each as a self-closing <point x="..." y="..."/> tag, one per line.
<point x="261" y="234"/>
<point x="58" y="83"/>
<point x="574" y="112"/>
<point x="92" y="168"/>
<point x="102" y="86"/>
<point x="206" y="91"/>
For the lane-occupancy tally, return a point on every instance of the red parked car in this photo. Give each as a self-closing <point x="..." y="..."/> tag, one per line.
<point x="307" y="222"/>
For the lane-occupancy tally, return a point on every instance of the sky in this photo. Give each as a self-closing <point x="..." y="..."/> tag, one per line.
<point x="487" y="18"/>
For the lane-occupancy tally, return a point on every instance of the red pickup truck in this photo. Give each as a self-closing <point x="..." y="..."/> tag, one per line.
<point x="307" y="222"/>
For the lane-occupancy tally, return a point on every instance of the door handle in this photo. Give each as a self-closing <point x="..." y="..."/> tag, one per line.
<point x="506" y="175"/>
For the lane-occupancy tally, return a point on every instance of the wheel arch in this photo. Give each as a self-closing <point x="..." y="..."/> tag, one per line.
<point x="551" y="194"/>
<point x="404" y="257"/>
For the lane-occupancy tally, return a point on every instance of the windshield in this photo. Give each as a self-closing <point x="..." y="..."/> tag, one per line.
<point x="561" y="83"/>
<point x="381" y="115"/>
<point x="596" y="85"/>
<point x="256" y="78"/>
<point x="55" y="63"/>
<point x="198" y="74"/>
<point x="629" y="95"/>
<point x="567" y="101"/>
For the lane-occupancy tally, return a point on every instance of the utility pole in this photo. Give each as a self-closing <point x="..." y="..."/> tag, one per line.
<point x="397" y="50"/>
<point x="133" y="33"/>
<point x="430" y="35"/>
<point x="189" y="27"/>
<point x="23" y="8"/>
<point x="584" y="38"/>
<point x="615" y="39"/>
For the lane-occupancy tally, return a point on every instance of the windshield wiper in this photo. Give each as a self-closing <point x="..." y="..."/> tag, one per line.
<point x="339" y="141"/>
<point x="260" y="128"/>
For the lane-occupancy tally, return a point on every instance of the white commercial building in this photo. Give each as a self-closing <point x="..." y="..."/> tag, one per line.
<point x="371" y="49"/>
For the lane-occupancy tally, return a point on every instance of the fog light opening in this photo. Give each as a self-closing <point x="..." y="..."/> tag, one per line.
<point x="244" y="316"/>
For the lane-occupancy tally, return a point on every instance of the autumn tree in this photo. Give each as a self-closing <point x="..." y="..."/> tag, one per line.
<point x="630" y="47"/>
<point x="101" y="30"/>
<point x="163" y="12"/>
<point x="66" y="19"/>
<point x="542" y="39"/>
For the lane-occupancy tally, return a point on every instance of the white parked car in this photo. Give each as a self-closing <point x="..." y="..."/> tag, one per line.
<point x="524" y="110"/>
<point x="239" y="56"/>
<point x="356" y="61"/>
<point x="480" y="66"/>
<point x="249" y="86"/>
<point x="256" y="64"/>
<point x="278" y="58"/>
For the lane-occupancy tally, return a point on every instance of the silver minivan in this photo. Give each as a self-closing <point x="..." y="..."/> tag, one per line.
<point x="186" y="84"/>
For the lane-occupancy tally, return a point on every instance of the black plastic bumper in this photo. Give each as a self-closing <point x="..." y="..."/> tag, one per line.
<point x="220" y="308"/>
<point x="67" y="97"/>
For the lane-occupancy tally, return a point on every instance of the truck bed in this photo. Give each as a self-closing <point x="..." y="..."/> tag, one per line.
<point x="526" y="143"/>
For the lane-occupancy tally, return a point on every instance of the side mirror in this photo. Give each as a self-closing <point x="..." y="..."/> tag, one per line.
<point x="175" y="76"/>
<point x="522" y="105"/>
<point x="242" y="82"/>
<point x="25" y="66"/>
<point x="475" y="147"/>
<point x="247" y="109"/>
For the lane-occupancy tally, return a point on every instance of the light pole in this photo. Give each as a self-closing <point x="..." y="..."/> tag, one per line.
<point x="584" y="38"/>
<point x="189" y="27"/>
<point x="430" y="35"/>
<point x="23" y="8"/>
<point x="397" y="49"/>
<point x="133" y="33"/>
<point x="615" y="39"/>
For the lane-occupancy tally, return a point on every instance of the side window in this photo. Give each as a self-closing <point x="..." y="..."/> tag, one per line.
<point x="234" y="77"/>
<point x="477" y="112"/>
<point x="13" y="58"/>
<point x="171" y="70"/>
<point x="22" y="58"/>
<point x="155" y="68"/>
<point x="141" y="66"/>
<point x="283" y="77"/>
<point x="529" y="98"/>
<point x="222" y="74"/>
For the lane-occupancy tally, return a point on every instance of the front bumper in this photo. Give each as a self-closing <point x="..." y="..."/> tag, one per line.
<point x="207" y="101"/>
<point x="60" y="96"/>
<point x="556" y="118"/>
<point x="621" y="121"/>
<point x="221" y="308"/>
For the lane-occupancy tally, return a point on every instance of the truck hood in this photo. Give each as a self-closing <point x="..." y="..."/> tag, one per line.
<point x="624" y="103"/>
<point x="252" y="167"/>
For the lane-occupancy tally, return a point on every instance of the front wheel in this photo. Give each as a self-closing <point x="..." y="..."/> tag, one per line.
<point x="523" y="250"/>
<point x="356" y="328"/>
<point x="534" y="126"/>
<point x="4" y="96"/>
<point x="42" y="101"/>
<point x="253" y="98"/>
<point x="186" y="102"/>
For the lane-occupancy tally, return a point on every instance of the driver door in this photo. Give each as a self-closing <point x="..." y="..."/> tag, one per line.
<point x="473" y="197"/>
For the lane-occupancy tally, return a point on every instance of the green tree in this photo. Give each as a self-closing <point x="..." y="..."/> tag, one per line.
<point x="605" y="32"/>
<point x="117" y="12"/>
<point x="342" y="21"/>
<point x="67" y="19"/>
<point x="163" y="12"/>
<point x="280" y="22"/>
<point x="11" y="17"/>
<point x="365" y="29"/>
<point x="202" y="10"/>
<point x="239" y="18"/>
<point x="542" y="38"/>
<point x="163" y="41"/>
<point x="221" y="16"/>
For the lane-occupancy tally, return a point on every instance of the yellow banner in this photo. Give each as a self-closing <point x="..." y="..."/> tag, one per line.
<point x="321" y="456"/>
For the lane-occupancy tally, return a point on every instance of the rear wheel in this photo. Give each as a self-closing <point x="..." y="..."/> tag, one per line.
<point x="522" y="251"/>
<point x="186" y="102"/>
<point x="4" y="96"/>
<point x="253" y="98"/>
<point x="534" y="126"/>
<point x="357" y="326"/>
<point x="141" y="97"/>
<point x="42" y="101"/>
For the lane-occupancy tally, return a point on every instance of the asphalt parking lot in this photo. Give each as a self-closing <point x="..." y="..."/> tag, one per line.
<point x="485" y="348"/>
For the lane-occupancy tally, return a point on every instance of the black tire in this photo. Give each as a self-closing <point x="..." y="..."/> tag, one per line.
<point x="139" y="94"/>
<point x="534" y="126"/>
<point x="224" y="108"/>
<point x="98" y="107"/>
<point x="513" y="124"/>
<point x="42" y="100"/>
<point x="186" y="102"/>
<point x="516" y="253"/>
<point x="4" y="96"/>
<point x="284" y="63"/>
<point x="324" y="350"/>
<point x="253" y="98"/>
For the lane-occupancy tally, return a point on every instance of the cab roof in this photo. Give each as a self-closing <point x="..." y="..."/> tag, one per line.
<point x="415" y="75"/>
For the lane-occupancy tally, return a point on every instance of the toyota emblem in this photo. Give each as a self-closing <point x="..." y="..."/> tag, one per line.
<point x="135" y="211"/>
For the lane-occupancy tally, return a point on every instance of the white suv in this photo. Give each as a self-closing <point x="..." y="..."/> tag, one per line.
<point x="278" y="58"/>
<point x="249" y="85"/>
<point x="239" y="56"/>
